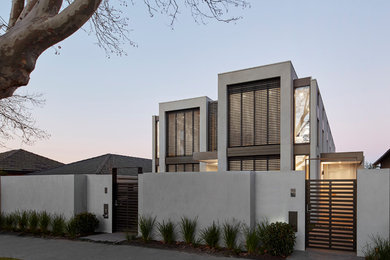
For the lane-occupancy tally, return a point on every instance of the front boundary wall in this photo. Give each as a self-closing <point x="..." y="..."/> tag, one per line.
<point x="248" y="197"/>
<point x="59" y="194"/>
<point x="251" y="197"/>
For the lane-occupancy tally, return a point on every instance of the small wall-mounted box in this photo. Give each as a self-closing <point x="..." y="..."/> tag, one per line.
<point x="105" y="211"/>
<point x="293" y="192"/>
<point x="293" y="220"/>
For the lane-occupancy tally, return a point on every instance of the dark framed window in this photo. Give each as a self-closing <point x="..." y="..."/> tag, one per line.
<point x="187" y="167"/>
<point x="254" y="113"/>
<point x="255" y="163"/>
<point x="182" y="132"/>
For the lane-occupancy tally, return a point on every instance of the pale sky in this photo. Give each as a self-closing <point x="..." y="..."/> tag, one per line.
<point x="96" y="105"/>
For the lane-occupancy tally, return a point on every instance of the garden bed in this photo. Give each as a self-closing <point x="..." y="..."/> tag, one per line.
<point x="197" y="249"/>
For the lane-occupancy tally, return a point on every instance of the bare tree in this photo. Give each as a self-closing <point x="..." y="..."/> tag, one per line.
<point x="16" y="119"/>
<point x="35" y="25"/>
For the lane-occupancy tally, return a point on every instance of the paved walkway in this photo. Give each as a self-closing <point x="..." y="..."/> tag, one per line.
<point x="27" y="248"/>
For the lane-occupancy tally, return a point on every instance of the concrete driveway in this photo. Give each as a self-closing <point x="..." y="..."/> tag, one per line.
<point x="29" y="248"/>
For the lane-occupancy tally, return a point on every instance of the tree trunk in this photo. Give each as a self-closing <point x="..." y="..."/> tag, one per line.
<point x="38" y="26"/>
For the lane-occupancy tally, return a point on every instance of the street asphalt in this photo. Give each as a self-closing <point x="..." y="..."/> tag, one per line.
<point x="30" y="248"/>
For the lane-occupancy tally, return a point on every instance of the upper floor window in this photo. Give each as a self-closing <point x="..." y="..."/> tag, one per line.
<point x="183" y="132"/>
<point x="302" y="115"/>
<point x="254" y="113"/>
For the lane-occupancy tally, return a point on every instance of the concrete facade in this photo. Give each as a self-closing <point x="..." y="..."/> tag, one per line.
<point x="321" y="139"/>
<point x="59" y="194"/>
<point x="201" y="103"/>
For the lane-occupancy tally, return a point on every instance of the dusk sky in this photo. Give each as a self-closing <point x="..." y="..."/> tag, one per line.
<point x="95" y="105"/>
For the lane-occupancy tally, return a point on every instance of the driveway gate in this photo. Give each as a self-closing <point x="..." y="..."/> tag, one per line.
<point x="331" y="214"/>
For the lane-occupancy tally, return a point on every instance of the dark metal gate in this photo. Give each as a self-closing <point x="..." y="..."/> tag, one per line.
<point x="126" y="204"/>
<point x="331" y="214"/>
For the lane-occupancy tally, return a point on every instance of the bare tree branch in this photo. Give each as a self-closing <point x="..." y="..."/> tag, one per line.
<point x="16" y="9"/>
<point x="36" y="25"/>
<point x="16" y="120"/>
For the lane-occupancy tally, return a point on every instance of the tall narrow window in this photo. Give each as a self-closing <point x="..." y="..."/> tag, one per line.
<point x="183" y="132"/>
<point x="302" y="115"/>
<point x="254" y="113"/>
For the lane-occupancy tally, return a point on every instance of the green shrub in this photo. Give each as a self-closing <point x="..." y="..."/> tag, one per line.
<point x="33" y="221"/>
<point x="2" y="221"/>
<point x="277" y="238"/>
<point x="10" y="221"/>
<point x="44" y="221"/>
<point x="58" y="225"/>
<point x="71" y="228"/>
<point x="211" y="235"/>
<point x="188" y="229"/>
<point x="252" y="240"/>
<point x="146" y="225"/>
<point x="86" y="223"/>
<point x="378" y="250"/>
<point x="22" y="220"/>
<point x="230" y="233"/>
<point x="167" y="231"/>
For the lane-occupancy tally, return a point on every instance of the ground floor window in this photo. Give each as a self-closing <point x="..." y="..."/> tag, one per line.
<point x="300" y="162"/>
<point x="255" y="163"/>
<point x="187" y="167"/>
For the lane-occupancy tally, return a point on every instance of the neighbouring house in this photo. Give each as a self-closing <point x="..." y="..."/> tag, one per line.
<point x="125" y="165"/>
<point x="383" y="161"/>
<point x="263" y="150"/>
<point x="20" y="162"/>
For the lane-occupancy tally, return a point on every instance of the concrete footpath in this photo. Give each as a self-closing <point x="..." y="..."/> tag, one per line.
<point x="29" y="248"/>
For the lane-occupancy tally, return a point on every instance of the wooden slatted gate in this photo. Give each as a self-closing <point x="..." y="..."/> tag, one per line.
<point x="331" y="214"/>
<point x="126" y="204"/>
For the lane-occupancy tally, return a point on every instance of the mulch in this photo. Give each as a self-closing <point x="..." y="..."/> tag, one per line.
<point x="198" y="249"/>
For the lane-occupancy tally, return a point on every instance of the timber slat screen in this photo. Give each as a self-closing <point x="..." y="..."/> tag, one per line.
<point x="331" y="214"/>
<point x="127" y="204"/>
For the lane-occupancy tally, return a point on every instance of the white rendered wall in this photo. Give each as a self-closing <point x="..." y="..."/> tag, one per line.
<point x="96" y="198"/>
<point x="211" y="196"/>
<point x="199" y="102"/>
<point x="220" y="196"/>
<point x="372" y="206"/>
<point x="53" y="193"/>
<point x="59" y="194"/>
<point x="286" y="72"/>
<point x="273" y="200"/>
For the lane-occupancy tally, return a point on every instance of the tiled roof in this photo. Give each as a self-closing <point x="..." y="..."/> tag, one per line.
<point x="102" y="165"/>
<point x="383" y="157"/>
<point x="21" y="160"/>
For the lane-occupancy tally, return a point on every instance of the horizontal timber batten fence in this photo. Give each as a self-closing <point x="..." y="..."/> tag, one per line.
<point x="331" y="214"/>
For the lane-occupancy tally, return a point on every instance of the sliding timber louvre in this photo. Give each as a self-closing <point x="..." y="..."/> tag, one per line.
<point x="254" y="113"/>
<point x="213" y="126"/>
<point x="183" y="137"/>
<point x="254" y="120"/>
